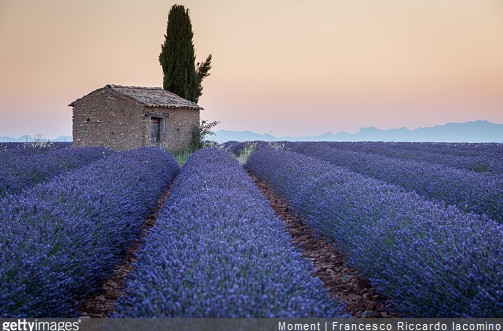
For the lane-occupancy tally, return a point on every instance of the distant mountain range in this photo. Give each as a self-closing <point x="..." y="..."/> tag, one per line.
<point x="475" y="131"/>
<point x="30" y="139"/>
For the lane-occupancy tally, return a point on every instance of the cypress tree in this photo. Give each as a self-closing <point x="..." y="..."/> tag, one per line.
<point x="177" y="57"/>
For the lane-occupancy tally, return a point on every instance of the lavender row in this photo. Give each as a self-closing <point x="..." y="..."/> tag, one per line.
<point x="467" y="156"/>
<point x="441" y="148"/>
<point x="218" y="250"/>
<point x="23" y="168"/>
<point x="458" y="149"/>
<point x="237" y="147"/>
<point x="481" y="193"/>
<point x="34" y="146"/>
<point x="479" y="162"/>
<point x="62" y="238"/>
<point x="10" y="154"/>
<point x="233" y="147"/>
<point x="430" y="259"/>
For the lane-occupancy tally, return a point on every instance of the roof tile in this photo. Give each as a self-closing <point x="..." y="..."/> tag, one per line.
<point x="152" y="97"/>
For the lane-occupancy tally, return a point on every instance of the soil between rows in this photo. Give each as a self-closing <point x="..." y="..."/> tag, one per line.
<point x="342" y="281"/>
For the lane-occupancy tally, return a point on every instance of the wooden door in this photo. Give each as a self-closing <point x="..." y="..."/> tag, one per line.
<point x="155" y="131"/>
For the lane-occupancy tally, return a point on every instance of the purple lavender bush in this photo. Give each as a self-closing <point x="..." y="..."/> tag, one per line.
<point x="9" y="152"/>
<point x="237" y="148"/>
<point x="33" y="147"/>
<point x="480" y="193"/>
<point x="218" y="250"/>
<point x="231" y="146"/>
<point x="22" y="168"/>
<point x="430" y="259"/>
<point x="459" y="149"/>
<point x="61" y="239"/>
<point x="477" y="157"/>
<point x="438" y="148"/>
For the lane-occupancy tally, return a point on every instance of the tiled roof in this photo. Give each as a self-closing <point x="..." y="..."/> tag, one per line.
<point x="153" y="97"/>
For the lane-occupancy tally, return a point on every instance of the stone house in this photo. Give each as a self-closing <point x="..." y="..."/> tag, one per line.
<point x="125" y="117"/>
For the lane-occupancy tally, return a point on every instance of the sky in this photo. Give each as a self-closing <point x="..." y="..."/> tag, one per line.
<point x="283" y="67"/>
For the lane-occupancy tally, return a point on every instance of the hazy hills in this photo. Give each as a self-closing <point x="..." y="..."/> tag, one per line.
<point x="30" y="139"/>
<point x="475" y="131"/>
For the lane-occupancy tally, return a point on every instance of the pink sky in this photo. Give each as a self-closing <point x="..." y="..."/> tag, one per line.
<point x="282" y="67"/>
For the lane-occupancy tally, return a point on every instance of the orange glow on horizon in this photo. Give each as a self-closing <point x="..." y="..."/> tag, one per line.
<point x="293" y="68"/>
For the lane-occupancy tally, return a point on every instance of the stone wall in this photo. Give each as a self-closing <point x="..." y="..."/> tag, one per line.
<point x="106" y="118"/>
<point x="110" y="119"/>
<point x="177" y="127"/>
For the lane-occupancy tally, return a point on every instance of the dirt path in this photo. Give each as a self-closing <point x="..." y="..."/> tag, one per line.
<point x="102" y="303"/>
<point x="348" y="284"/>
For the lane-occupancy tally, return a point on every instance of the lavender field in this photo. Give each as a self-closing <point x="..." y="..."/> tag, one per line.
<point x="422" y="221"/>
